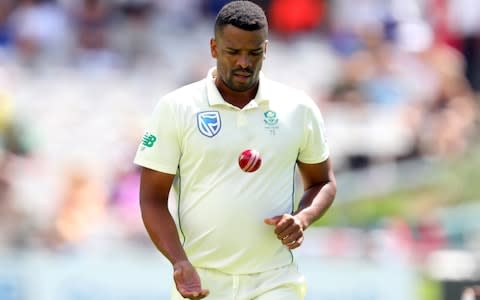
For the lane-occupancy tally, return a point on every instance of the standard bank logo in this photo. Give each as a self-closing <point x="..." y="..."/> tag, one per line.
<point x="209" y="123"/>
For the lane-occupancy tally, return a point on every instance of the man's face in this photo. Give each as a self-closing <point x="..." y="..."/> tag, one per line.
<point x="239" y="55"/>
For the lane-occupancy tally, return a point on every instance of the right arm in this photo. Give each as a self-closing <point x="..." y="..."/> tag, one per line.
<point x="154" y="190"/>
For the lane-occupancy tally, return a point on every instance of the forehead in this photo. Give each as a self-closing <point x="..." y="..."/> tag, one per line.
<point x="234" y="37"/>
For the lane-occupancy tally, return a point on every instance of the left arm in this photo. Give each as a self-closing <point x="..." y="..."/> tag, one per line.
<point x="319" y="193"/>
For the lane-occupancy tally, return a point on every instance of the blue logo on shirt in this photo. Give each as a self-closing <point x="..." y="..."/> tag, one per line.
<point x="209" y="123"/>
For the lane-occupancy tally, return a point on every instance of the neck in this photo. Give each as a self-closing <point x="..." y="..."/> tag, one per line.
<point x="238" y="99"/>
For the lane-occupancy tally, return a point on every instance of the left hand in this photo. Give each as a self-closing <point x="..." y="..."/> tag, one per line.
<point x="188" y="282"/>
<point x="288" y="230"/>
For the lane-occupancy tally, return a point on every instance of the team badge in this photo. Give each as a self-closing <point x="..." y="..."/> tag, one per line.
<point x="271" y="121"/>
<point x="209" y="123"/>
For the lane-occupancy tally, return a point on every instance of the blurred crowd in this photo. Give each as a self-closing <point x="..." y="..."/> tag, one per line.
<point x="395" y="80"/>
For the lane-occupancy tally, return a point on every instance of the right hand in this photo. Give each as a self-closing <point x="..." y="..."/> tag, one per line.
<point x="187" y="281"/>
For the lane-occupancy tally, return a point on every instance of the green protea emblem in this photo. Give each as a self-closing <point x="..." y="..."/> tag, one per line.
<point x="270" y="118"/>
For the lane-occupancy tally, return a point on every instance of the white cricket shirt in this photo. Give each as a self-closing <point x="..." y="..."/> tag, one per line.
<point x="196" y="135"/>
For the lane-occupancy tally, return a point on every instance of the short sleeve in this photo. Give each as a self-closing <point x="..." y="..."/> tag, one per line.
<point x="314" y="148"/>
<point x="159" y="146"/>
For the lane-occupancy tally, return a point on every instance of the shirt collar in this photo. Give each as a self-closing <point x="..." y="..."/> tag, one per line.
<point x="215" y="98"/>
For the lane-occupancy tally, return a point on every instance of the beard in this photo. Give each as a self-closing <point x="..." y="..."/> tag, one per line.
<point x="241" y="80"/>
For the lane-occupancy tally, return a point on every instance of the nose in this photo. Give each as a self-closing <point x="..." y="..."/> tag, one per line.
<point x="244" y="61"/>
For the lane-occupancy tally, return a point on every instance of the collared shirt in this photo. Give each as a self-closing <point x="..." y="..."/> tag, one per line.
<point x="198" y="136"/>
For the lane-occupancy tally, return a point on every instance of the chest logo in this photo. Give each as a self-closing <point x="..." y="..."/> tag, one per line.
<point x="271" y="121"/>
<point x="209" y="123"/>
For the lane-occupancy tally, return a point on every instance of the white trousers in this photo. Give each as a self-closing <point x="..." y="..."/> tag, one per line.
<point x="284" y="283"/>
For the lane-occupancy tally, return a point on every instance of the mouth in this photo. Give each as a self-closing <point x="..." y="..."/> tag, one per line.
<point x="242" y="75"/>
<point x="242" y="72"/>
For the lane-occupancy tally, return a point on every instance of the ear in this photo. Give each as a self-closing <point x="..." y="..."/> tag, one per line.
<point x="213" y="48"/>
<point x="265" y="50"/>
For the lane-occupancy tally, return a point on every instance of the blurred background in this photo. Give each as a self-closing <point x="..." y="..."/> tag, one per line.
<point x="398" y="85"/>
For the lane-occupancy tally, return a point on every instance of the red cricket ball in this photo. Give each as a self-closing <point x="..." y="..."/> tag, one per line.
<point x="249" y="160"/>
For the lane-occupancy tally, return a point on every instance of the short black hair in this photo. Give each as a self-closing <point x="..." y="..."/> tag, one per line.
<point x="243" y="14"/>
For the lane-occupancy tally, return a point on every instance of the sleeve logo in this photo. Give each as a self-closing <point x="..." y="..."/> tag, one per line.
<point x="209" y="123"/>
<point x="148" y="140"/>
